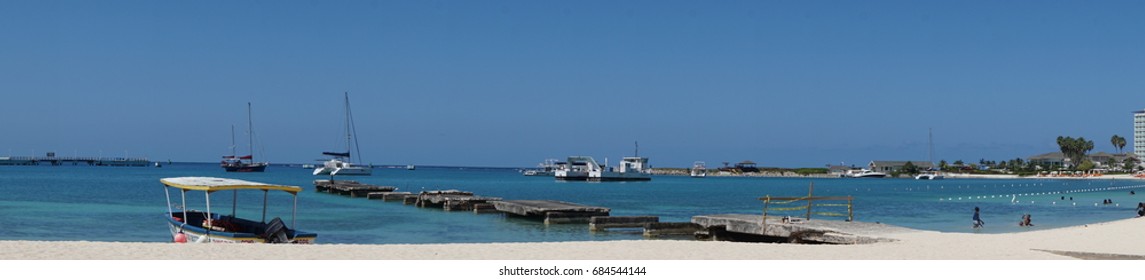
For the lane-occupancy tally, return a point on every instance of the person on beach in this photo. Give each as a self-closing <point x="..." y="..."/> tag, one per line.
<point x="1140" y="209"/>
<point x="977" y="220"/>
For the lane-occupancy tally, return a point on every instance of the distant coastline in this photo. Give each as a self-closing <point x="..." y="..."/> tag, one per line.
<point x="794" y="174"/>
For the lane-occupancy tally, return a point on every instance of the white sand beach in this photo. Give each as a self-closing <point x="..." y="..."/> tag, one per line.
<point x="1113" y="240"/>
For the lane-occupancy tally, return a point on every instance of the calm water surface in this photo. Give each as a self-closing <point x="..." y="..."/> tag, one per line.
<point x="128" y="204"/>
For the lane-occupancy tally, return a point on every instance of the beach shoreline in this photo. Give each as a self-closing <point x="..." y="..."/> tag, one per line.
<point x="1109" y="240"/>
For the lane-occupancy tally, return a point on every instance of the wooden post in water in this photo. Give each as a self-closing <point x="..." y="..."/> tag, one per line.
<point x="810" y="191"/>
<point x="766" y="202"/>
<point x="850" y="209"/>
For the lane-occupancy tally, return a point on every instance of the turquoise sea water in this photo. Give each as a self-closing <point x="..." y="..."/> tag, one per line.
<point x="128" y="204"/>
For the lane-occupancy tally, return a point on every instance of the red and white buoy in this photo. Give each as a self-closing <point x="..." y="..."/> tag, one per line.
<point x="180" y="237"/>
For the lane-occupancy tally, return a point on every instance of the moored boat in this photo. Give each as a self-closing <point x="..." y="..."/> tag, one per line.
<point x="864" y="173"/>
<point x="211" y="226"/>
<point x="929" y="176"/>
<point x="699" y="170"/>
<point x="546" y="168"/>
<point x="234" y="163"/>
<point x="340" y="163"/>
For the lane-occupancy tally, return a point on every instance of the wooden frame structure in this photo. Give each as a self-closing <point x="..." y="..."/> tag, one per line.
<point x="810" y="198"/>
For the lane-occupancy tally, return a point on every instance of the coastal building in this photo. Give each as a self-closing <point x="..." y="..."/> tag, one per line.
<point x="1139" y="133"/>
<point x="1059" y="159"/>
<point x="887" y="166"/>
<point x="1050" y="159"/>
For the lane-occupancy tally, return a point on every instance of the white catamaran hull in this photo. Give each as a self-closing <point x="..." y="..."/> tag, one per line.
<point x="337" y="167"/>
<point x="352" y="171"/>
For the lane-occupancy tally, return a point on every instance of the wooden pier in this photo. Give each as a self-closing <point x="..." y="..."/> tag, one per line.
<point x="552" y="211"/>
<point x="452" y="200"/>
<point x="350" y="188"/>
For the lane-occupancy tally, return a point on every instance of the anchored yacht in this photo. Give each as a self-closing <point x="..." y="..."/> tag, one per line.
<point x="864" y="173"/>
<point x="699" y="170"/>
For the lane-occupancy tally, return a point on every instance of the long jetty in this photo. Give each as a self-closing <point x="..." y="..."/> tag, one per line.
<point x="56" y="161"/>
<point x="722" y="227"/>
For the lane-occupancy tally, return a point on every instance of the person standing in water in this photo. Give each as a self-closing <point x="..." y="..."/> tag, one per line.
<point x="977" y="220"/>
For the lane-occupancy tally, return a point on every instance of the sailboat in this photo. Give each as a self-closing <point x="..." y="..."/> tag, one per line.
<point x="233" y="163"/>
<point x="930" y="174"/>
<point x="340" y="163"/>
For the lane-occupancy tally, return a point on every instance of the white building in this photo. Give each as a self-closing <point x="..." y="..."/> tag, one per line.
<point x="1139" y="133"/>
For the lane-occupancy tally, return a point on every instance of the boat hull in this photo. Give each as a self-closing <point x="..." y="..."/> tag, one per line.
<point x="619" y="179"/>
<point x="194" y="234"/>
<point x="258" y="167"/>
<point x="928" y="177"/>
<point x="538" y="173"/>
<point x="571" y="175"/>
<point x="322" y="171"/>
<point x="351" y="172"/>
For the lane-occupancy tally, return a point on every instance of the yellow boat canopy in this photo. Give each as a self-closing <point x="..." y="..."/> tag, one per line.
<point x="209" y="184"/>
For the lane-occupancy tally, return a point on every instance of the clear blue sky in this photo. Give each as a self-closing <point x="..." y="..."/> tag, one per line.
<point x="510" y="83"/>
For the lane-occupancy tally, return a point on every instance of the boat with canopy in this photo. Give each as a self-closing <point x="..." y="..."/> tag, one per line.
<point x="213" y="226"/>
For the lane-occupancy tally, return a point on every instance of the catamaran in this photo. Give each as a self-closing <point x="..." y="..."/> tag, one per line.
<point x="212" y="226"/>
<point x="233" y="163"/>
<point x="340" y="163"/>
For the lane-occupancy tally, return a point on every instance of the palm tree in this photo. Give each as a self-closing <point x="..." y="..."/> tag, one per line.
<point x="1075" y="149"/>
<point x="1118" y="142"/>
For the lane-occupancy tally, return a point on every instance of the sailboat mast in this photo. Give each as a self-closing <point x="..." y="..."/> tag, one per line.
<point x="353" y="129"/>
<point x="233" y="140"/>
<point x="348" y="145"/>
<point x="250" y="131"/>
<point x="930" y="151"/>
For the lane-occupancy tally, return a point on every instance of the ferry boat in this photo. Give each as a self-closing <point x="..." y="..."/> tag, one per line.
<point x="699" y="170"/>
<point x="575" y="168"/>
<point x="233" y="163"/>
<point x="340" y="163"/>
<point x="214" y="226"/>
<point x="585" y="168"/>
